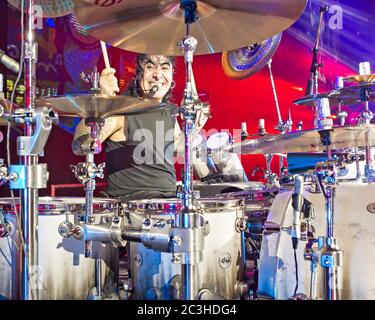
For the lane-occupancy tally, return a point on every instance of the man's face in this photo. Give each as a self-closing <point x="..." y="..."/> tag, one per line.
<point x="158" y="71"/>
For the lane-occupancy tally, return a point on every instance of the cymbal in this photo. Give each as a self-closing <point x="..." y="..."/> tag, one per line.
<point x="346" y="96"/>
<point x="244" y="62"/>
<point x="308" y="141"/>
<point x="97" y="106"/>
<point x="50" y="8"/>
<point x="361" y="78"/>
<point x="156" y="26"/>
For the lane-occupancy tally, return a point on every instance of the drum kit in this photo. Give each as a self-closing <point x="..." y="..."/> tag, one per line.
<point x="242" y="241"/>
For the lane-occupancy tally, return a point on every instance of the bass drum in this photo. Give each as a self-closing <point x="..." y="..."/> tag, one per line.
<point x="156" y="277"/>
<point x="354" y="229"/>
<point x="64" y="272"/>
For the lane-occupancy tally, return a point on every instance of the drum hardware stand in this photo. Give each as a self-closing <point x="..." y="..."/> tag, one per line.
<point x="87" y="172"/>
<point x="29" y="177"/>
<point x="313" y="83"/>
<point x="272" y="179"/>
<point x="281" y="126"/>
<point x="341" y="115"/>
<point x="330" y="256"/>
<point x="187" y="234"/>
<point x="365" y="118"/>
<point x="93" y="79"/>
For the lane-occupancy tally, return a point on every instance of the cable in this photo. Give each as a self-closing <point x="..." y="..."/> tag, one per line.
<point x="296" y="265"/>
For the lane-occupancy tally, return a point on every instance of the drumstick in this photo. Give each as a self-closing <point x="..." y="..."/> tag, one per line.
<point x="105" y="55"/>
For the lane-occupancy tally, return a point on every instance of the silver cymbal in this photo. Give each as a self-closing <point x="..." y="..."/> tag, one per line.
<point x="97" y="106"/>
<point x="50" y="8"/>
<point x="346" y="96"/>
<point x="156" y="26"/>
<point x="308" y="141"/>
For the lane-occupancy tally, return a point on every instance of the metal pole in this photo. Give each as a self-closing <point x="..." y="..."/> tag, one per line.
<point x="188" y="217"/>
<point x="29" y="195"/>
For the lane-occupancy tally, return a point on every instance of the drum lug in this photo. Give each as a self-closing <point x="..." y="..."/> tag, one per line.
<point x="240" y="224"/>
<point x="5" y="229"/>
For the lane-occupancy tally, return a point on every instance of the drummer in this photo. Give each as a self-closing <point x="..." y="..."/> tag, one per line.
<point x="140" y="148"/>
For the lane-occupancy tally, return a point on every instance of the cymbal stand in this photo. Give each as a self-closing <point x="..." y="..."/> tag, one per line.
<point x="29" y="176"/>
<point x="341" y="114"/>
<point x="86" y="173"/>
<point x="187" y="233"/>
<point x="365" y="118"/>
<point x="281" y="126"/>
<point x="313" y="83"/>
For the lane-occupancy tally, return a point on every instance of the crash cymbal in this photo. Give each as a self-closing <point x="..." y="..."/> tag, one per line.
<point x="156" y="26"/>
<point x="308" y="141"/>
<point x="51" y="8"/>
<point x="346" y="96"/>
<point x="361" y="78"/>
<point x="97" y="106"/>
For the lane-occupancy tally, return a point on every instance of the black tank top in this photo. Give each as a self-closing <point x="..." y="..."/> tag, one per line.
<point x="143" y="165"/>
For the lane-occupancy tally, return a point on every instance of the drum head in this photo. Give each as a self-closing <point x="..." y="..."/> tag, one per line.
<point x="197" y="140"/>
<point x="218" y="140"/>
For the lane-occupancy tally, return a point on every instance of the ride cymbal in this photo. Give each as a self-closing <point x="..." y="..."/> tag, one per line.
<point x="156" y="26"/>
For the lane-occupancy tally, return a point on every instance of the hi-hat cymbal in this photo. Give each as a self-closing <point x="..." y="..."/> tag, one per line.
<point x="308" y="141"/>
<point x="156" y="26"/>
<point x="97" y="106"/>
<point x="346" y="96"/>
<point x="50" y="8"/>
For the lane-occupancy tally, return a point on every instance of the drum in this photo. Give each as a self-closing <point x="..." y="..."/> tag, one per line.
<point x="228" y="163"/>
<point x="354" y="228"/>
<point x="64" y="272"/>
<point x="220" y="273"/>
<point x="203" y="165"/>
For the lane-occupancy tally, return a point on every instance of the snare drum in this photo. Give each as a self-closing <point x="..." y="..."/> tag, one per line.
<point x="64" y="272"/>
<point x="228" y="163"/>
<point x="220" y="273"/>
<point x="354" y="229"/>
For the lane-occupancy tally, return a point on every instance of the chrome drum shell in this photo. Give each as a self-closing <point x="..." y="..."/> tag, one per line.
<point x="155" y="276"/>
<point x="64" y="272"/>
<point x="354" y="229"/>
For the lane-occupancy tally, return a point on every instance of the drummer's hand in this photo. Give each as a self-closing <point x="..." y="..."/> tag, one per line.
<point x="108" y="82"/>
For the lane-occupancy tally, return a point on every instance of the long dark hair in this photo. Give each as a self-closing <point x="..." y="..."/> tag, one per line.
<point x="134" y="88"/>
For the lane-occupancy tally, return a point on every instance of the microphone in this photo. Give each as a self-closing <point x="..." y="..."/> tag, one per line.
<point x="8" y="62"/>
<point x="154" y="89"/>
<point x="297" y="203"/>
